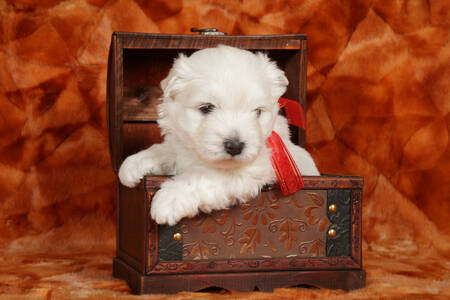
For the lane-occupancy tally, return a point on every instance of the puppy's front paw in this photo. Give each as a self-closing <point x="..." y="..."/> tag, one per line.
<point x="170" y="205"/>
<point x="134" y="168"/>
<point x="129" y="174"/>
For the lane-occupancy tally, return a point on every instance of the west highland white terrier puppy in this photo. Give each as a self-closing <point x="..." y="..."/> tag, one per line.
<point x="218" y="108"/>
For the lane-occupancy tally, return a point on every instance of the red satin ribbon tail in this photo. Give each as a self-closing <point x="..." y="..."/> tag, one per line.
<point x="295" y="113"/>
<point x="286" y="170"/>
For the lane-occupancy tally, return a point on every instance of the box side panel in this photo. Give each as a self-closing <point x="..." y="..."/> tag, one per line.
<point x="114" y="100"/>
<point x="295" y="69"/>
<point x="131" y="227"/>
<point x="138" y="136"/>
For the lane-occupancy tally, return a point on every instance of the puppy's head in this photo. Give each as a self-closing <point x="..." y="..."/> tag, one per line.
<point x="221" y="103"/>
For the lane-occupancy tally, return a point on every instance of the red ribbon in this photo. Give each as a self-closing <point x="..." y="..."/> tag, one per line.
<point x="283" y="164"/>
<point x="294" y="112"/>
<point x="285" y="168"/>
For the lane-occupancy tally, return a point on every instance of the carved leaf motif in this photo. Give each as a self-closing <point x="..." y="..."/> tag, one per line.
<point x="270" y="246"/>
<point x="260" y="209"/>
<point x="294" y="200"/>
<point x="263" y="220"/>
<point x="249" y="242"/>
<point x="271" y="215"/>
<point x="316" y="198"/>
<point x="308" y="213"/>
<point x="228" y="234"/>
<point x="248" y="215"/>
<point x="200" y="251"/>
<point x="323" y="224"/>
<point x="222" y="217"/>
<point x="288" y="236"/>
<point x="317" y="248"/>
<point x="208" y="226"/>
<point x="314" y="247"/>
<point x="255" y="219"/>
<point x="208" y="222"/>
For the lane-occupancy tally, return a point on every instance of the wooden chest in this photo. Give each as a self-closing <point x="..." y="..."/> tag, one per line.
<point x="311" y="238"/>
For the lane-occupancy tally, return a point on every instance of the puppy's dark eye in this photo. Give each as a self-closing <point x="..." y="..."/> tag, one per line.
<point x="258" y="112"/>
<point x="206" y="108"/>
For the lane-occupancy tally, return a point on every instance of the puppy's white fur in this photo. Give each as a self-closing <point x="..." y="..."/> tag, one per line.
<point x="237" y="83"/>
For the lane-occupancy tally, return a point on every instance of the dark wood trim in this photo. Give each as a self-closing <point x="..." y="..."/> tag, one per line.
<point x="294" y="92"/>
<point x="302" y="87"/>
<point x="241" y="282"/>
<point x="114" y="99"/>
<point x="195" y="41"/>
<point x="261" y="264"/>
<point x="118" y="102"/>
<point x="303" y="71"/>
<point x="109" y="101"/>
<point x="356" y="226"/>
<point x="132" y="35"/>
<point x="117" y="219"/>
<point x="132" y="261"/>
<point x="151" y="183"/>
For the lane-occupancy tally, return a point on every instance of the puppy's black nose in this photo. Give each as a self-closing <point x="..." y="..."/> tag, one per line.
<point x="233" y="147"/>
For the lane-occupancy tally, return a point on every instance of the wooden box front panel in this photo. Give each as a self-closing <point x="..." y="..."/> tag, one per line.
<point x="270" y="232"/>
<point x="268" y="226"/>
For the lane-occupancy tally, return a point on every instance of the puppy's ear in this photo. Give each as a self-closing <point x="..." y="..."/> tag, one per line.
<point x="275" y="74"/>
<point x="177" y="78"/>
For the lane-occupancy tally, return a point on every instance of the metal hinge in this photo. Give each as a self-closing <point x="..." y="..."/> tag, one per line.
<point x="207" y="31"/>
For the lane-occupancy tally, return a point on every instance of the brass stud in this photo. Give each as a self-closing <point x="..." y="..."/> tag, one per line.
<point x="177" y="237"/>
<point x="332" y="233"/>
<point x="332" y="208"/>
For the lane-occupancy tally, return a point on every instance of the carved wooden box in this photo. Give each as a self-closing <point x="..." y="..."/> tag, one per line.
<point x="311" y="238"/>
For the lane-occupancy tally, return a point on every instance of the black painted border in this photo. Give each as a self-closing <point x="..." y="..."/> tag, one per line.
<point x="168" y="248"/>
<point x="340" y="221"/>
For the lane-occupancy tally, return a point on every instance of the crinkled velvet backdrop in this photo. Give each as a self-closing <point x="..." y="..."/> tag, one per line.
<point x="378" y="106"/>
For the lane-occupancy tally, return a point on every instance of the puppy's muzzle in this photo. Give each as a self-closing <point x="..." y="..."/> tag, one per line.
<point x="233" y="147"/>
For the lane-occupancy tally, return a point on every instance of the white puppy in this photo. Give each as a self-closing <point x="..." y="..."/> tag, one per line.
<point x="218" y="108"/>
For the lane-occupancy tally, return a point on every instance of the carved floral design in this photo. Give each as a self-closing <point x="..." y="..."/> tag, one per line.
<point x="294" y="200"/>
<point x="208" y="222"/>
<point x="228" y="235"/>
<point x="315" y="247"/>
<point x="288" y="227"/>
<point x="253" y="237"/>
<point x="270" y="226"/>
<point x="200" y="250"/>
<point x="318" y="201"/>
<point x="260" y="209"/>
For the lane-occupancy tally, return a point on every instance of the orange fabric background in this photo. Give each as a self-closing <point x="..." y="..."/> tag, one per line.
<point x="378" y="106"/>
